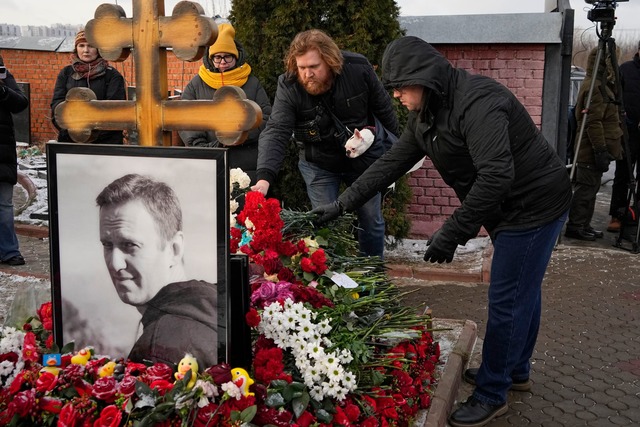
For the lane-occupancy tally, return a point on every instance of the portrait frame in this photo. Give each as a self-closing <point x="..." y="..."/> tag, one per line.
<point x="86" y="307"/>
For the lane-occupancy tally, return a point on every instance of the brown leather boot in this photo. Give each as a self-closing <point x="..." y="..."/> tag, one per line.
<point x="614" y="225"/>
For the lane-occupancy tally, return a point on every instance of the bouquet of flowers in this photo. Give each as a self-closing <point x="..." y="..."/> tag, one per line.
<point x="332" y="346"/>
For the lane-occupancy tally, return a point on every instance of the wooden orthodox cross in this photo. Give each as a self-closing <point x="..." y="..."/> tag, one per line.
<point x="149" y="33"/>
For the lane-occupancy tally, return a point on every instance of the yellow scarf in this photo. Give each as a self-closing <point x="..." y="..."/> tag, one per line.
<point x="236" y="77"/>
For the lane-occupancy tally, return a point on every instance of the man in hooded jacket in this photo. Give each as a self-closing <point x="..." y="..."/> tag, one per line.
<point x="486" y="147"/>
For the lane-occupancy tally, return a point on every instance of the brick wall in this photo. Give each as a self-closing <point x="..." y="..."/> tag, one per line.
<point x="520" y="67"/>
<point x="40" y="69"/>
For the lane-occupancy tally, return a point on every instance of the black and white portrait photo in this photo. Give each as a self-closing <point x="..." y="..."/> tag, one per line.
<point x="139" y="244"/>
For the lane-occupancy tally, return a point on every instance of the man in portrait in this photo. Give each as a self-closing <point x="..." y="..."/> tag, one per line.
<point x="143" y="246"/>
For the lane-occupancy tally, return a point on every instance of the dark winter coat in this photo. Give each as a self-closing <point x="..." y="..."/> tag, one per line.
<point x="181" y="318"/>
<point x="244" y="156"/>
<point x="630" y="72"/>
<point x="107" y="87"/>
<point x="356" y="95"/>
<point x="12" y="100"/>
<point x="602" y="129"/>
<point x="481" y="140"/>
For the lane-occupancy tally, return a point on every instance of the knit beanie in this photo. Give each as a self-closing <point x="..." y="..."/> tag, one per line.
<point x="80" y="38"/>
<point x="225" y="41"/>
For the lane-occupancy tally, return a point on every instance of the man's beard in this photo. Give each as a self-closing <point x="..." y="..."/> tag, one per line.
<point x="315" y="87"/>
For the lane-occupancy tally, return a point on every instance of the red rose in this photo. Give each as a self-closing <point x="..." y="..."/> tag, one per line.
<point x="352" y="412"/>
<point x="105" y="389"/>
<point x="220" y="373"/>
<point x="22" y="403"/>
<point x="109" y="417"/>
<point x="159" y="371"/>
<point x="68" y="416"/>
<point x="163" y="386"/>
<point x="46" y="382"/>
<point x="127" y="385"/>
<point x="207" y="416"/>
<point x="50" y="404"/>
<point x="49" y="342"/>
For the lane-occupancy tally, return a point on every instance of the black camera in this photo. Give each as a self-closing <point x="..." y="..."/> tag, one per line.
<point x="603" y="10"/>
<point x="3" y="69"/>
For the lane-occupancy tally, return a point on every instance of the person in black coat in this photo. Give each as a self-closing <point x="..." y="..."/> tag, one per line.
<point x="630" y="79"/>
<point x="509" y="180"/>
<point x="12" y="100"/>
<point x="88" y="69"/>
<point x="322" y="98"/>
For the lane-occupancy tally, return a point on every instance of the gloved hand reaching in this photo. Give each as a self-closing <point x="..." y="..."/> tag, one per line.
<point x="603" y="159"/>
<point x="328" y="212"/>
<point x="440" y="248"/>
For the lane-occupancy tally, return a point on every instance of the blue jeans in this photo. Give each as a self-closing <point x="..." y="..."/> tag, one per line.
<point x="8" y="238"/>
<point x="323" y="187"/>
<point x="520" y="259"/>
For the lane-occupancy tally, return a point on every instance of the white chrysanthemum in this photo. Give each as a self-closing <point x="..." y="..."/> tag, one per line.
<point x="324" y="327"/>
<point x="232" y="221"/>
<point x="345" y="356"/>
<point x="349" y="380"/>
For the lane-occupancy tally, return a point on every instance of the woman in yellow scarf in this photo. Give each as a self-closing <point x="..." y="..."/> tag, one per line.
<point x="224" y="65"/>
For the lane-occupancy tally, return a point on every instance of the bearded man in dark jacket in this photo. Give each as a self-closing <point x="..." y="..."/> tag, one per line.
<point x="485" y="146"/>
<point x="324" y="95"/>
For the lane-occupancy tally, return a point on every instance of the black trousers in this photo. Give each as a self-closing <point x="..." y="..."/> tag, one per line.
<point x="621" y="179"/>
<point x="585" y="189"/>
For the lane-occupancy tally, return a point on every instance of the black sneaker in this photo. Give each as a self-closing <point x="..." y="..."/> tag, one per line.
<point x="474" y="413"/>
<point x="597" y="233"/>
<point x="14" y="260"/>
<point x="471" y="373"/>
<point x="579" y="234"/>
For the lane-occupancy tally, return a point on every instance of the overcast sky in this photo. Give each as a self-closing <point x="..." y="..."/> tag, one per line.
<point x="39" y="12"/>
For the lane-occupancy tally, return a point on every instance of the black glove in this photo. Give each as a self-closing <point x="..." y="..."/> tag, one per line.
<point x="602" y="160"/>
<point x="440" y="248"/>
<point x="328" y="212"/>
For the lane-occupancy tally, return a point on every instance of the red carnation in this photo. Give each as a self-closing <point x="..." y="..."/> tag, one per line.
<point x="253" y="318"/>
<point x="45" y="314"/>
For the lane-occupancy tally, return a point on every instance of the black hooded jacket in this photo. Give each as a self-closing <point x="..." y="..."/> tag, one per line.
<point x="481" y="140"/>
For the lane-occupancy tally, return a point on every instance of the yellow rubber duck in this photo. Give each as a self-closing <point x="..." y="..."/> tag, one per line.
<point x="81" y="357"/>
<point x="107" y="369"/>
<point x="242" y="379"/>
<point x="51" y="369"/>
<point x="188" y="363"/>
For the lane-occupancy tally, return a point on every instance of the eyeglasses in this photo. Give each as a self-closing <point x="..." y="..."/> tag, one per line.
<point x="226" y="58"/>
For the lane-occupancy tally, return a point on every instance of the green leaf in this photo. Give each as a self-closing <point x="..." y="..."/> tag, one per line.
<point x="68" y="348"/>
<point x="275" y="400"/>
<point x="324" y="416"/>
<point x="377" y="377"/>
<point x="248" y="413"/>
<point x="279" y="384"/>
<point x="300" y="404"/>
